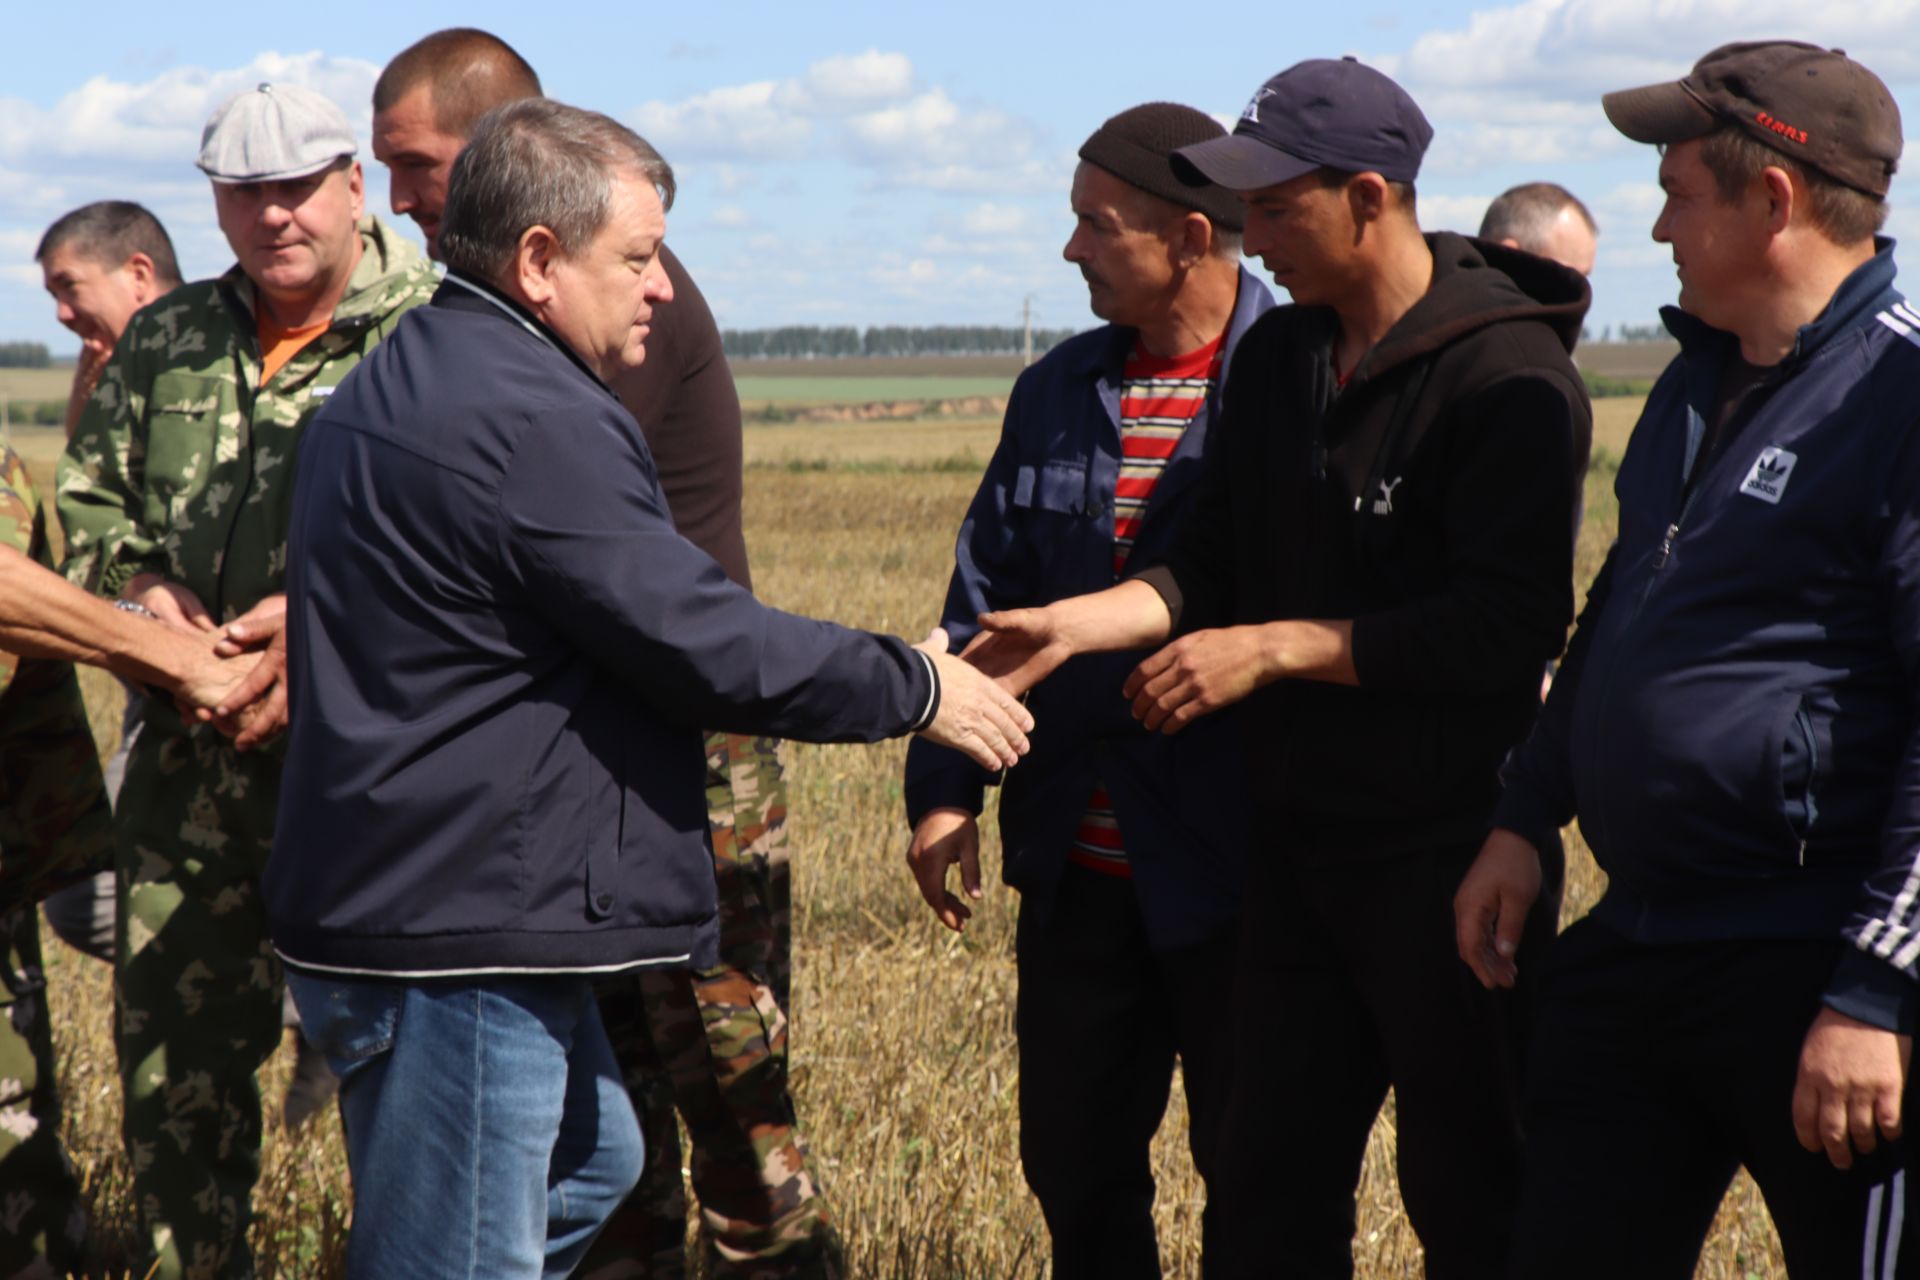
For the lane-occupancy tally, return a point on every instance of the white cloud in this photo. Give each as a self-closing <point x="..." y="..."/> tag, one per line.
<point x="158" y="122"/>
<point x="735" y="122"/>
<point x="731" y="217"/>
<point x="996" y="219"/>
<point x="849" y="82"/>
<point x="1453" y="213"/>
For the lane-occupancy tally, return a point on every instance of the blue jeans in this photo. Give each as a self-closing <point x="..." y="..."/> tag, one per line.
<point x="488" y="1132"/>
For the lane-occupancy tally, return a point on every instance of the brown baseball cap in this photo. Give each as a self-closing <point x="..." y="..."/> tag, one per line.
<point x="1816" y="105"/>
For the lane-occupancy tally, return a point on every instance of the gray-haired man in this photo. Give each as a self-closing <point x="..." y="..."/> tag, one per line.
<point x="494" y="790"/>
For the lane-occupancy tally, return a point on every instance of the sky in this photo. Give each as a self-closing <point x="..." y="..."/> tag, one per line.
<point x="887" y="163"/>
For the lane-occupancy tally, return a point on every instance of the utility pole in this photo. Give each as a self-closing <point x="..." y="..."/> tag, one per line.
<point x="1026" y="328"/>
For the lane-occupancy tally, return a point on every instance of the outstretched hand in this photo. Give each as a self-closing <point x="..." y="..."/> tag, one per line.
<point x="1018" y="648"/>
<point x="1490" y="907"/>
<point x="976" y="716"/>
<point x="255" y="709"/>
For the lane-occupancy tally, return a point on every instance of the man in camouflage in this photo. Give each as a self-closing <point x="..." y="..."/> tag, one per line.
<point x="712" y="1044"/>
<point x="175" y="495"/>
<point x="54" y="827"/>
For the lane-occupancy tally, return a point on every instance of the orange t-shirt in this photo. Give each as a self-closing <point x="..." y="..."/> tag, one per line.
<point x="277" y="345"/>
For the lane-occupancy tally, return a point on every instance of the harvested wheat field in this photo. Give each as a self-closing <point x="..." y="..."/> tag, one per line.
<point x="902" y="1032"/>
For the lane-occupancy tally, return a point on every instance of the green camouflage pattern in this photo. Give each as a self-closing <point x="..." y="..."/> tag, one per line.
<point x="53" y="825"/>
<point x="43" y="1223"/>
<point x="181" y="466"/>
<point x="713" y="1043"/>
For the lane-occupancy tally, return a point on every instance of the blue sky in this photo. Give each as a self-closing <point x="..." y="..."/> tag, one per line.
<point x="888" y="163"/>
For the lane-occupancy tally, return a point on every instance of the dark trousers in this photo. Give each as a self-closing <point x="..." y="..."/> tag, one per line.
<point x="1362" y="989"/>
<point x="1659" y="1070"/>
<point x="1100" y="1019"/>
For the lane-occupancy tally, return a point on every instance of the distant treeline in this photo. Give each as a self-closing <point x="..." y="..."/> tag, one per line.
<point x="24" y="355"/>
<point x="818" y="342"/>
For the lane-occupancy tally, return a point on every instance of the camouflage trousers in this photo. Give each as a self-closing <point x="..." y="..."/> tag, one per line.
<point x="713" y="1044"/>
<point x="199" y="991"/>
<point x="42" y="1220"/>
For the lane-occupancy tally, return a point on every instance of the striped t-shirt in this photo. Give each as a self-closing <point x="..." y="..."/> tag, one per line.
<point x="1159" y="397"/>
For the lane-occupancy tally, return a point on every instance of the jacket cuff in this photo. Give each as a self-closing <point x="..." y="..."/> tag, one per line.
<point x="118" y="573"/>
<point x="1160" y="578"/>
<point x="932" y="707"/>
<point x="1528" y="816"/>
<point x="945" y="789"/>
<point x="1874" y="992"/>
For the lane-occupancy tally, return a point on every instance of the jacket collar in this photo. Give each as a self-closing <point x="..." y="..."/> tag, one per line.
<point x="1108" y="361"/>
<point x="383" y="256"/>
<point x="463" y="292"/>
<point x="1854" y="303"/>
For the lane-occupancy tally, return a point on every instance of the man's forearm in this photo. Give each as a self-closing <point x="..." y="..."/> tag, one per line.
<point x="1128" y="616"/>
<point x="1305" y="649"/>
<point x="42" y="615"/>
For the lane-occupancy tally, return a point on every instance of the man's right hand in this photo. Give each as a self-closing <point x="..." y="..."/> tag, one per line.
<point x="1490" y="907"/>
<point x="1018" y="647"/>
<point x="211" y="679"/>
<point x="172" y="603"/>
<point x="976" y="716"/>
<point x="944" y="837"/>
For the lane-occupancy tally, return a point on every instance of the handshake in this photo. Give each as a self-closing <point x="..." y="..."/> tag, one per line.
<point x="233" y="676"/>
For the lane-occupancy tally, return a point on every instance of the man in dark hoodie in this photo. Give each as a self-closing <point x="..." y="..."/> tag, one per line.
<point x="1379" y="565"/>
<point x="1735" y="724"/>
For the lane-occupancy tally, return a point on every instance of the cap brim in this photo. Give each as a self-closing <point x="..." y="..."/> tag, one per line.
<point x="284" y="175"/>
<point x="1659" y="113"/>
<point x="1238" y="163"/>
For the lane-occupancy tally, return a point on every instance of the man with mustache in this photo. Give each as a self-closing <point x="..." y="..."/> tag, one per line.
<point x="1127" y="856"/>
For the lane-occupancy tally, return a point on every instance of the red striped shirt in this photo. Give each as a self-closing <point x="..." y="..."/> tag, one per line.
<point x="1159" y="399"/>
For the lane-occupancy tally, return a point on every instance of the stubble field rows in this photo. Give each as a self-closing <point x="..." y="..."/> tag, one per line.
<point x="904" y="1064"/>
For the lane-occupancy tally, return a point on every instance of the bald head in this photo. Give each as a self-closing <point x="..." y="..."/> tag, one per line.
<point x="1544" y="218"/>
<point x="424" y="107"/>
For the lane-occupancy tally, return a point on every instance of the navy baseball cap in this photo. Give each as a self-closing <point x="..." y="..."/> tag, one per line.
<point x="1324" y="113"/>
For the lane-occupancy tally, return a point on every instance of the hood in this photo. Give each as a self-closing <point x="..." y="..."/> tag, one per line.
<point x="1476" y="284"/>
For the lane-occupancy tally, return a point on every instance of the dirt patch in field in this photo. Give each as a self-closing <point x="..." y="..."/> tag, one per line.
<point x="884" y="410"/>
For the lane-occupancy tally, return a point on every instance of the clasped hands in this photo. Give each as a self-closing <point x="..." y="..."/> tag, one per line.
<point x="240" y="687"/>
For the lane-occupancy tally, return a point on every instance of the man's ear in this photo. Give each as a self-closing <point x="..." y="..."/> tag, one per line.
<point x="1367" y="197"/>
<point x="140" y="270"/>
<point x="1781" y="197"/>
<point x="357" y="190"/>
<point x="534" y="260"/>
<point x="1195" y="240"/>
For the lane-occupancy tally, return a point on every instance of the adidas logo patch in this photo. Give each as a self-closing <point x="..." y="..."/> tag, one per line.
<point x="1767" y="480"/>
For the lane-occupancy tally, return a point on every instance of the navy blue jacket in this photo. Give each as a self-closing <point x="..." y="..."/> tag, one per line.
<point x="501" y="659"/>
<point x="1735" y="722"/>
<point x="1041" y="529"/>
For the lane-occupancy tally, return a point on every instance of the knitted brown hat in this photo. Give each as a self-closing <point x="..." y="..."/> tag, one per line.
<point x="1137" y="147"/>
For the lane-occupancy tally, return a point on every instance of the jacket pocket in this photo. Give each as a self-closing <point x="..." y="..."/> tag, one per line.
<point x="1053" y="507"/>
<point x="1800" y="764"/>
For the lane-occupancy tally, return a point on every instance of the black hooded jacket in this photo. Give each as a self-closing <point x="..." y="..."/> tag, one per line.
<point x="1432" y="502"/>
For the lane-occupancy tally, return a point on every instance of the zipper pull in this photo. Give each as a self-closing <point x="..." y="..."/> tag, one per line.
<point x="1666" y="546"/>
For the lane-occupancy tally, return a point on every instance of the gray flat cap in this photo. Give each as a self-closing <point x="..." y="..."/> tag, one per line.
<point x="272" y="132"/>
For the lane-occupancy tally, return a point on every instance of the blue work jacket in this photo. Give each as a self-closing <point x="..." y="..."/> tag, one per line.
<point x="1041" y="529"/>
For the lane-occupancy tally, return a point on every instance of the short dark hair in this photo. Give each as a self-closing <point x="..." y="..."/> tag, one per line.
<point x="1525" y="214"/>
<point x="467" y="72"/>
<point x="538" y="163"/>
<point x="1402" y="191"/>
<point x="110" y="232"/>
<point x="1736" y="159"/>
<point x="1144" y="210"/>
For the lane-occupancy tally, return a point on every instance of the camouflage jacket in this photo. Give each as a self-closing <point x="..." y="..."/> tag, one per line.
<point x="54" y="822"/>
<point x="182" y="462"/>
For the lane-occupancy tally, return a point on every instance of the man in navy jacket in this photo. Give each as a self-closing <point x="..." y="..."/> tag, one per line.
<point x="502" y="656"/>
<point x="1735" y="723"/>
<point x="1127" y="903"/>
